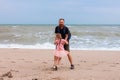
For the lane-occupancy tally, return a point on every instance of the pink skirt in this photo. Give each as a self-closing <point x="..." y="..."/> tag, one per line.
<point x="60" y="53"/>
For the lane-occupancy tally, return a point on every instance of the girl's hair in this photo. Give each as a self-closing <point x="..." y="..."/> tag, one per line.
<point x="58" y="35"/>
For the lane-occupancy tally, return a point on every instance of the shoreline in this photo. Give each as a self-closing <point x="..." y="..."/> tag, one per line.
<point x="70" y="50"/>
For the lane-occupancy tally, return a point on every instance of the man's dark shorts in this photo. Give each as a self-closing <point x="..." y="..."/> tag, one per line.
<point x="67" y="47"/>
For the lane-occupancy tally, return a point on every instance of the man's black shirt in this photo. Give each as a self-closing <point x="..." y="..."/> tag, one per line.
<point x="63" y="31"/>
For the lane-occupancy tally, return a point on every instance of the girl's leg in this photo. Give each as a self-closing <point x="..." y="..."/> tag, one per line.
<point x="55" y="61"/>
<point x="59" y="60"/>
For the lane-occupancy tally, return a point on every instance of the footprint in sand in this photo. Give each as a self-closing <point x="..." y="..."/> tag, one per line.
<point x="101" y="62"/>
<point x="83" y="61"/>
<point x="36" y="59"/>
<point x="8" y="74"/>
<point x="13" y="62"/>
<point x="1" y="78"/>
<point x="35" y="79"/>
<point x="28" y="61"/>
<point x="56" y="78"/>
<point x="107" y="70"/>
<point x="78" y="64"/>
<point x="21" y="59"/>
<point x="95" y="64"/>
<point x="8" y="58"/>
<point x="89" y="68"/>
<point x="3" y="67"/>
<point x="14" y="70"/>
<point x="50" y="72"/>
<point x="44" y="62"/>
<point x="116" y="63"/>
<point x="112" y="66"/>
<point x="118" y="69"/>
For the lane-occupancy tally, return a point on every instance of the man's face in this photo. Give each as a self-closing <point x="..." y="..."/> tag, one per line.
<point x="61" y="22"/>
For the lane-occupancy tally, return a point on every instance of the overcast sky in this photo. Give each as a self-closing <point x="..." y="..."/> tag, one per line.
<point x="49" y="11"/>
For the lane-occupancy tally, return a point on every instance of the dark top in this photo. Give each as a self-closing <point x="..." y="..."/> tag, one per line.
<point x="63" y="31"/>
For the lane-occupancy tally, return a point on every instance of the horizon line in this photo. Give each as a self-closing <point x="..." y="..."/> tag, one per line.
<point x="67" y="24"/>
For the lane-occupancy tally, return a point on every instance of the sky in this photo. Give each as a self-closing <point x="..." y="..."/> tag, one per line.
<point x="49" y="11"/>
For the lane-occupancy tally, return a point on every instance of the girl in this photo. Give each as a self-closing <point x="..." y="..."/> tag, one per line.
<point x="59" y="52"/>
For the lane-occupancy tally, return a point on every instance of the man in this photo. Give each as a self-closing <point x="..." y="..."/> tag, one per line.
<point x="65" y="33"/>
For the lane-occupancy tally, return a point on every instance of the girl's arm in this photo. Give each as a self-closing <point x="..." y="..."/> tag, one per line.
<point x="56" y="42"/>
<point x="66" y="42"/>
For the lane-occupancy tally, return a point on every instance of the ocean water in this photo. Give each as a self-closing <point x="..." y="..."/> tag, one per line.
<point x="84" y="37"/>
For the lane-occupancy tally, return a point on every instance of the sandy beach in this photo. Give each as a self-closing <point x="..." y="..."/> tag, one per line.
<point x="35" y="64"/>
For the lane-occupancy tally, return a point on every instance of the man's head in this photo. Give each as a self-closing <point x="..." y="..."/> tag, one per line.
<point x="61" y="22"/>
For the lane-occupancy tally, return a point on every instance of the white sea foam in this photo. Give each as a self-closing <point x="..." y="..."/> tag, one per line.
<point x="49" y="46"/>
<point x="36" y="46"/>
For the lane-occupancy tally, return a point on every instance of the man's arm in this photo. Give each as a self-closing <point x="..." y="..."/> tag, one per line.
<point x="67" y="32"/>
<point x="66" y="37"/>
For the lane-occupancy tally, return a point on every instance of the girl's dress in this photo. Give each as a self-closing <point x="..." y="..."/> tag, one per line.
<point x="60" y="52"/>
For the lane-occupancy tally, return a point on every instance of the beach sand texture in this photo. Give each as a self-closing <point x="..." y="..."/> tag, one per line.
<point x="35" y="64"/>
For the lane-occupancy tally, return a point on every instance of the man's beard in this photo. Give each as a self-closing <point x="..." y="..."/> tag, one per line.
<point x="61" y="25"/>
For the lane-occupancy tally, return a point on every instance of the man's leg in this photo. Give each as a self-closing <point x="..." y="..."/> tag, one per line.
<point x="66" y="47"/>
<point x="70" y="58"/>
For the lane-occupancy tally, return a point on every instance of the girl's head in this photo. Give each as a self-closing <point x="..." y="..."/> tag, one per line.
<point x="58" y="36"/>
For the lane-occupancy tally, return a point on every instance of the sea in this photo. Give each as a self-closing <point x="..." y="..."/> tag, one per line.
<point x="41" y="36"/>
